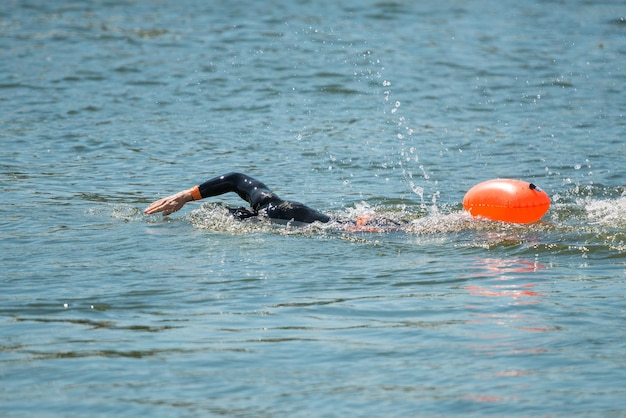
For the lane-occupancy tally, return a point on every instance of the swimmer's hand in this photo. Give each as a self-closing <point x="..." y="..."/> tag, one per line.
<point x="170" y="204"/>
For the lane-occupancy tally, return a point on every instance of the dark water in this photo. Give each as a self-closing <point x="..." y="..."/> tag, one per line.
<point x="388" y="108"/>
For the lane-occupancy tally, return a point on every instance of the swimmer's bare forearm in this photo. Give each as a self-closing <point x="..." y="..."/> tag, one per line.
<point x="173" y="203"/>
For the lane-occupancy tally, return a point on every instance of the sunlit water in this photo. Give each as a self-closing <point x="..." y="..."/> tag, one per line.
<point x="387" y="109"/>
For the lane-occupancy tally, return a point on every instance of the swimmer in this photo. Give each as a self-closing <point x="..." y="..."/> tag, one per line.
<point x="257" y="194"/>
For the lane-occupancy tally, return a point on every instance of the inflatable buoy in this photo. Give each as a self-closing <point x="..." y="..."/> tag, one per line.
<point x="507" y="200"/>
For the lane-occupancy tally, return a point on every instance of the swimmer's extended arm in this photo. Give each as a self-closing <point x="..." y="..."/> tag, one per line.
<point x="252" y="191"/>
<point x="257" y="194"/>
<point x="171" y="204"/>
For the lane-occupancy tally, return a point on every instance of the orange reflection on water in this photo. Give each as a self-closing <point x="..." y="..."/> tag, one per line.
<point x="508" y="277"/>
<point x="497" y="325"/>
<point x="499" y="291"/>
<point x="499" y="269"/>
<point x="483" y="398"/>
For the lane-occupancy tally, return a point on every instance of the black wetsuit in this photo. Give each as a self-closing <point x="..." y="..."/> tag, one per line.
<point x="260" y="197"/>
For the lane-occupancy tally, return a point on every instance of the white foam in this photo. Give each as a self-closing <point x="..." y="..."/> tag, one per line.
<point x="610" y="212"/>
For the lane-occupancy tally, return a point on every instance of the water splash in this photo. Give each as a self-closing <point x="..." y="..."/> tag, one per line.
<point x="409" y="160"/>
<point x="586" y="226"/>
<point x="607" y="212"/>
<point x="122" y="212"/>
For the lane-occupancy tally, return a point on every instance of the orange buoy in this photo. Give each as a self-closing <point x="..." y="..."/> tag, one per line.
<point x="507" y="200"/>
